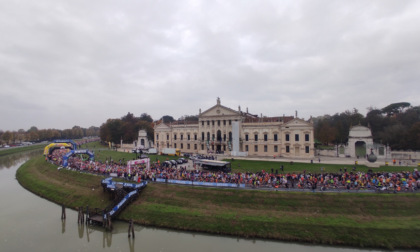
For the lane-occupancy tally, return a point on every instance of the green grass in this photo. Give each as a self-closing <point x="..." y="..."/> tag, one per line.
<point x="360" y="220"/>
<point x="8" y="151"/>
<point x="72" y="189"/>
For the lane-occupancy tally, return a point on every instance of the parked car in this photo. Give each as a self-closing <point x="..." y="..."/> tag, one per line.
<point x="180" y="161"/>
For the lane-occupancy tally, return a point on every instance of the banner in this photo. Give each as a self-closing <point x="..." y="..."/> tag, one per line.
<point x="187" y="182"/>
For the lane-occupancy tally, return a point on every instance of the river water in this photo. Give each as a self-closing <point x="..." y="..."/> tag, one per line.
<point x="30" y="223"/>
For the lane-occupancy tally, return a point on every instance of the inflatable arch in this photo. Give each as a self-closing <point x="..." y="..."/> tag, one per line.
<point x="51" y="147"/>
<point x="73" y="152"/>
<point x="66" y="141"/>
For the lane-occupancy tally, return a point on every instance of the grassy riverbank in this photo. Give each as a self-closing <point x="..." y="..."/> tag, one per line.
<point x="72" y="189"/>
<point x="8" y="151"/>
<point x="360" y="220"/>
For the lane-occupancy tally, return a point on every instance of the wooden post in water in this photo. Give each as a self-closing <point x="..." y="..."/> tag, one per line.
<point x="109" y="223"/>
<point x="80" y="216"/>
<point x="63" y="212"/>
<point x="130" y="228"/>
<point x="87" y="214"/>
<point x="103" y="216"/>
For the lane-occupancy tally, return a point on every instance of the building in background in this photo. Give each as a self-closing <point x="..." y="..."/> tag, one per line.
<point x="238" y="133"/>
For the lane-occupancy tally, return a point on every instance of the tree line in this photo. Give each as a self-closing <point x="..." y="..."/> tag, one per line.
<point x="396" y="125"/>
<point x="127" y="127"/>
<point x="37" y="135"/>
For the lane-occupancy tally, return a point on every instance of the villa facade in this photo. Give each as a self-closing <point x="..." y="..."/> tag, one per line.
<point x="237" y="133"/>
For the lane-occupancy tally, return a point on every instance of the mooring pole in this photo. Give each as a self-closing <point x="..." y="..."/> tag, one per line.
<point x="109" y="221"/>
<point x="87" y="214"/>
<point x="82" y="215"/>
<point x="104" y="216"/>
<point x="63" y="212"/>
<point x="130" y="228"/>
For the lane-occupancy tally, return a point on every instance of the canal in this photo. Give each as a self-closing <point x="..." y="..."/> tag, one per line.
<point x="31" y="223"/>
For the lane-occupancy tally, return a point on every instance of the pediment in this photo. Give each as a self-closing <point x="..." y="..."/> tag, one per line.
<point x="162" y="126"/>
<point x="296" y="122"/>
<point x="219" y="110"/>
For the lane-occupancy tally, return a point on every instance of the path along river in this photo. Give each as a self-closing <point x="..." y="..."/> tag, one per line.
<point x="30" y="223"/>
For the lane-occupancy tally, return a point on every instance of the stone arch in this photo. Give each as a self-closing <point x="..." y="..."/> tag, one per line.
<point x="360" y="148"/>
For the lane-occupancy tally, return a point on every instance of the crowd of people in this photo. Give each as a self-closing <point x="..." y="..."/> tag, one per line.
<point x="343" y="180"/>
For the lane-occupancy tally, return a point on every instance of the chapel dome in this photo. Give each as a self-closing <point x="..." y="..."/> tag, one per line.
<point x="360" y="131"/>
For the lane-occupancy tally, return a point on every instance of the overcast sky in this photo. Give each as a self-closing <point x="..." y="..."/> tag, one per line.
<point x="67" y="63"/>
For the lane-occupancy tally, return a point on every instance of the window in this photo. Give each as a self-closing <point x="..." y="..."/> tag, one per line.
<point x="230" y="122"/>
<point x="287" y="138"/>
<point x="202" y="123"/>
<point x="157" y="136"/>
<point x="167" y="136"/>
<point x="265" y="148"/>
<point x="188" y="137"/>
<point x="224" y="147"/>
<point x="182" y="137"/>
<point x="224" y="122"/>
<point x="182" y="146"/>
<point x="174" y="136"/>
<point x="202" y="147"/>
<point x="306" y="149"/>
<point x="287" y="149"/>
<point x="224" y="137"/>
<point x="208" y="123"/>
<point x="256" y="137"/>
<point x="307" y="137"/>
<point x="195" y="146"/>
<point x="174" y="145"/>
<point x="276" y="148"/>
<point x="275" y="137"/>
<point x="157" y="145"/>
<point x="219" y="136"/>
<point x="188" y="146"/>
<point x="212" y="123"/>
<point x="202" y="136"/>
<point x="195" y="137"/>
<point x="218" y="122"/>
<point x="208" y="136"/>
<point x="230" y="136"/>
<point x="167" y="145"/>
<point x="297" y="137"/>
<point x="246" y="147"/>
<point x="265" y="137"/>
<point x="212" y="137"/>
<point x="246" y="137"/>
<point x="256" y="148"/>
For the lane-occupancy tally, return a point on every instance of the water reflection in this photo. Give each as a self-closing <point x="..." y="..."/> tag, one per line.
<point x="81" y="229"/>
<point x="119" y="229"/>
<point x="11" y="160"/>
<point x="131" y="244"/>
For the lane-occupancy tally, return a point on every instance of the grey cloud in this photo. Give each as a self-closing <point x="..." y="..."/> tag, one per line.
<point x="64" y="65"/>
